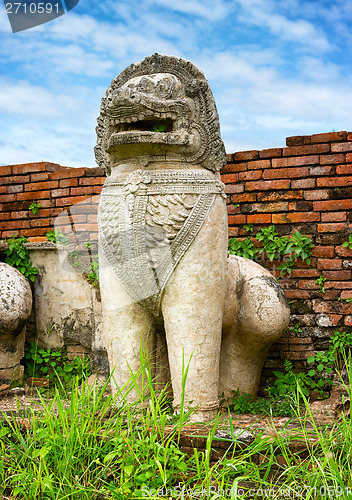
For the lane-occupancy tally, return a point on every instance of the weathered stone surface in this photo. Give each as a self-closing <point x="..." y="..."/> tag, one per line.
<point x="15" y="309"/>
<point x="15" y="300"/>
<point x="163" y="242"/>
<point x="66" y="306"/>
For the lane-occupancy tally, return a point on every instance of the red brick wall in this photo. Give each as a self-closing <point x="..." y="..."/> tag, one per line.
<point x="56" y="188"/>
<point x="306" y="186"/>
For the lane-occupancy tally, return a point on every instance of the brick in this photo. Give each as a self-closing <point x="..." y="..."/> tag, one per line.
<point x="317" y="194"/>
<point x="329" y="137"/>
<point x="5" y="216"/>
<point x="245" y="198"/>
<point x="332" y="228"/>
<point x="332" y="205"/>
<point x="341" y="193"/>
<point x="296" y="161"/>
<point x="231" y="167"/>
<point x="73" y="182"/>
<point x="343" y="251"/>
<point x="68" y="172"/>
<point x="280" y="195"/>
<point x="226" y="178"/>
<point x="330" y="239"/>
<point x="19" y="215"/>
<point x="245" y="155"/>
<point x="259" y="219"/>
<point x="304" y="273"/>
<point x="265" y="207"/>
<point x="285" y="173"/>
<point x="307" y="285"/>
<point x="335" y="318"/>
<point x="304" y="341"/>
<point x="42" y="176"/>
<point x="250" y="175"/>
<point x="326" y="307"/>
<point x="33" y="195"/>
<point x="298" y="140"/>
<point x="237" y="219"/>
<point x="259" y="164"/>
<point x="348" y="320"/>
<point x="329" y="264"/>
<point x="5" y="198"/>
<point x="16" y="179"/>
<point x="93" y="219"/>
<point x="346" y="294"/>
<point x="332" y="159"/>
<point x="233" y="232"/>
<point x="300" y="355"/>
<point x="14" y="224"/>
<point x="15" y="189"/>
<point x="229" y="158"/>
<point x="5" y="170"/>
<point x="9" y="234"/>
<point x="326" y="251"/>
<point x="337" y="275"/>
<point x="295" y="217"/>
<point x="301" y="206"/>
<point x="41" y="222"/>
<point x="338" y="285"/>
<point x="71" y="200"/>
<point x="303" y="184"/>
<point x="39" y="186"/>
<point x="267" y="185"/>
<point x="37" y="239"/>
<point x="334" y="181"/>
<point x="342" y="147"/>
<point x="46" y="212"/>
<point x="231" y="209"/>
<point x="56" y="193"/>
<point x="231" y="188"/>
<point x="42" y="231"/>
<point x="306" y="150"/>
<point x="95" y="181"/>
<point x="344" y="169"/>
<point x="270" y="153"/>
<point x="95" y="172"/>
<point x="25" y="168"/>
<point x="334" y="217"/>
<point x="321" y="170"/>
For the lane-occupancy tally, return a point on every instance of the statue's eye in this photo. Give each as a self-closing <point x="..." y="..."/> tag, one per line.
<point x="146" y="85"/>
<point x="165" y="87"/>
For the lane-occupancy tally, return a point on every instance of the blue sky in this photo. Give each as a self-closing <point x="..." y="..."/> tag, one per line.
<point x="276" y="67"/>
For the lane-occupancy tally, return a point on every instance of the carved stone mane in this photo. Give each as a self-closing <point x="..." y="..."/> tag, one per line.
<point x="167" y="88"/>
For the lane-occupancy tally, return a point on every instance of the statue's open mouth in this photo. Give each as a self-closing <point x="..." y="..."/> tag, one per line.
<point x="144" y="125"/>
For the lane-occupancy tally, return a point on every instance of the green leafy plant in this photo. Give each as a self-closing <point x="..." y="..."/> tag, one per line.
<point x="54" y="364"/>
<point x="243" y="248"/>
<point x="296" y="329"/>
<point x="284" y="248"/>
<point x="17" y="256"/>
<point x="34" y="207"/>
<point x="348" y="244"/>
<point x="57" y="236"/>
<point x="248" y="228"/>
<point x="248" y="404"/>
<point x="286" y="383"/>
<point x="320" y="281"/>
<point x="348" y="300"/>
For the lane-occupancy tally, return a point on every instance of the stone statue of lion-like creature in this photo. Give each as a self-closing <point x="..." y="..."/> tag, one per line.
<point x="165" y="274"/>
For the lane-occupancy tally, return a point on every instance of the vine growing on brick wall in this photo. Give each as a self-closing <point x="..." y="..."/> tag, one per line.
<point x="286" y="249"/>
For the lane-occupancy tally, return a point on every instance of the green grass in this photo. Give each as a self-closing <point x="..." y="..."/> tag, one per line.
<point x="99" y="447"/>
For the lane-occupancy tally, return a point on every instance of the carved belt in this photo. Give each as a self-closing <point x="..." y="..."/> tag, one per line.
<point x="148" y="222"/>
